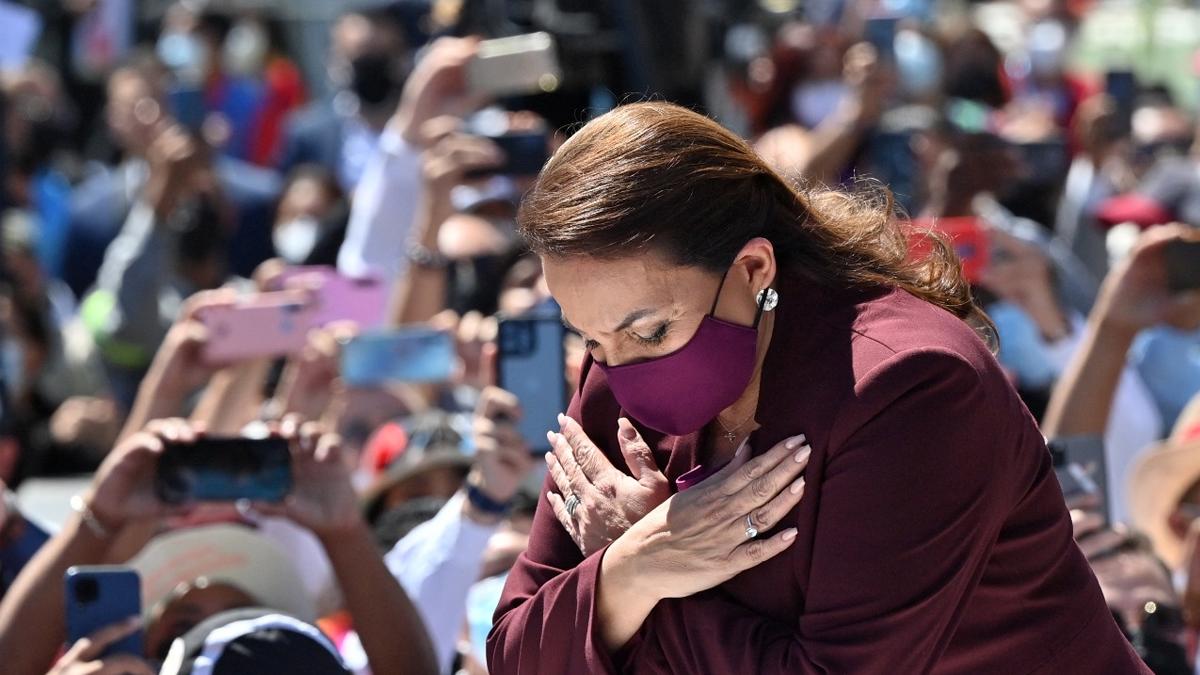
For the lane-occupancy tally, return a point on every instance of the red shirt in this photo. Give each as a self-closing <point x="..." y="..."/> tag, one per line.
<point x="932" y="535"/>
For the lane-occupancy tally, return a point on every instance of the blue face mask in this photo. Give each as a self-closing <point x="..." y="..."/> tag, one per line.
<point x="1169" y="362"/>
<point x="482" y="600"/>
<point x="1022" y="349"/>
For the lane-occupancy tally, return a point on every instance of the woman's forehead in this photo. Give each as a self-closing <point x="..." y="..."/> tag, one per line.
<point x="596" y="295"/>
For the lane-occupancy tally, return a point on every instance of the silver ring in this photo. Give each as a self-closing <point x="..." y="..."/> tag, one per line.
<point x="572" y="503"/>
<point x="751" y="530"/>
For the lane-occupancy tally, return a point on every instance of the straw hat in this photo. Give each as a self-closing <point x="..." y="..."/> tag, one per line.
<point x="1161" y="476"/>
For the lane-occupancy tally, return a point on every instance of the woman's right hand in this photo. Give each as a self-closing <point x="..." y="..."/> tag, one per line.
<point x="698" y="538"/>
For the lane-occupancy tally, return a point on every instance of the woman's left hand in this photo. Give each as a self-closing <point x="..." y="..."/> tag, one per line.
<point x="607" y="500"/>
<point x="322" y="497"/>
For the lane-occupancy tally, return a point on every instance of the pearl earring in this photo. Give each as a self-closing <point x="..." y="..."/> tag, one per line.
<point x="768" y="299"/>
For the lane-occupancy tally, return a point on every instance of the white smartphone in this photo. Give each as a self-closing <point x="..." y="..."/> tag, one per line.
<point x="512" y="66"/>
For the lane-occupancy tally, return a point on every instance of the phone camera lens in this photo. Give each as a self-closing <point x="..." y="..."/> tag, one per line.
<point x="87" y="591"/>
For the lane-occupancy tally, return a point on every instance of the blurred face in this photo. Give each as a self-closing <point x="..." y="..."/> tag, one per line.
<point x="132" y="110"/>
<point x="305" y="198"/>
<point x="642" y="307"/>
<point x="441" y="482"/>
<point x="187" y="609"/>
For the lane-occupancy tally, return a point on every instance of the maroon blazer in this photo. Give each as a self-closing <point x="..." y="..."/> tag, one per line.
<point x="933" y="536"/>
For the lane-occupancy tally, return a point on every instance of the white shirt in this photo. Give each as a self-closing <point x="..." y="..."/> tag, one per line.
<point x="383" y="211"/>
<point x="436" y="564"/>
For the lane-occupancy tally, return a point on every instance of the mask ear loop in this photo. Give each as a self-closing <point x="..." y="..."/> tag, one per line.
<point x="762" y="299"/>
<point x="712" y="310"/>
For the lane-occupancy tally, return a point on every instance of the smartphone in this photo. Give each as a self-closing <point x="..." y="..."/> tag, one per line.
<point x="187" y="107"/>
<point x="19" y="542"/>
<point x="1082" y="468"/>
<point x="524" y="155"/>
<point x="531" y="364"/>
<point x="1121" y="86"/>
<point x="338" y="297"/>
<point x="224" y="470"/>
<point x="880" y="33"/>
<point x="264" y="325"/>
<point x="968" y="237"/>
<point x="400" y="355"/>
<point x="99" y="596"/>
<point x="1046" y="161"/>
<point x="1183" y="265"/>
<point x="513" y="66"/>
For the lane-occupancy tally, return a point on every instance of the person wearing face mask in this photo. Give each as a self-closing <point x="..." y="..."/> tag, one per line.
<point x="792" y="450"/>
<point x="368" y="65"/>
<point x="311" y="221"/>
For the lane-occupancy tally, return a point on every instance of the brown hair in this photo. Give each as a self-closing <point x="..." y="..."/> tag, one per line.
<point x="656" y="176"/>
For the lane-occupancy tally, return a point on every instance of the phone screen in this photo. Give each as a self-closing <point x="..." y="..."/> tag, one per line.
<point x="99" y="596"/>
<point x="1121" y="86"/>
<point x="880" y="32"/>
<point x="1183" y="265"/>
<point x="1082" y="468"/>
<point x="405" y="355"/>
<point x="531" y="366"/>
<point x="524" y="154"/>
<point x="225" y="470"/>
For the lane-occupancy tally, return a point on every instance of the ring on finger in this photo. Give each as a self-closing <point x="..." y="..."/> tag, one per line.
<point x="571" y="504"/>
<point x="751" y="530"/>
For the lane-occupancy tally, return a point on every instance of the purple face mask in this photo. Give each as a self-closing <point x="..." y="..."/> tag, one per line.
<point x="680" y="392"/>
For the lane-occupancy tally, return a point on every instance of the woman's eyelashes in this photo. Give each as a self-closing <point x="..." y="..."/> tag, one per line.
<point x="657" y="336"/>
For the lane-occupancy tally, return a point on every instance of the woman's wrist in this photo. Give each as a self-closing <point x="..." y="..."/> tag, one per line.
<point x="623" y="601"/>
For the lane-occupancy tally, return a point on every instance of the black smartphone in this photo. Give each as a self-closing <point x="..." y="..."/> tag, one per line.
<point x="225" y="470"/>
<point x="1122" y="87"/>
<point x="1082" y="469"/>
<point x="1046" y="161"/>
<point x="1183" y="265"/>
<point x="524" y="154"/>
<point x="532" y="366"/>
<point x="102" y="595"/>
<point x="880" y="33"/>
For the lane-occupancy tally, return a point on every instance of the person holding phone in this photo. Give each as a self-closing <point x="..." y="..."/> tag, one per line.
<point x="122" y="497"/>
<point x="852" y="484"/>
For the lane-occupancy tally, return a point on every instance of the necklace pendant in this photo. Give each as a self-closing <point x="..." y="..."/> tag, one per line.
<point x="730" y="437"/>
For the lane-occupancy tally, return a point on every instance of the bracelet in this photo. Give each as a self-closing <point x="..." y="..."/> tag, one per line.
<point x="423" y="257"/>
<point x="79" y="505"/>
<point x="485" y="503"/>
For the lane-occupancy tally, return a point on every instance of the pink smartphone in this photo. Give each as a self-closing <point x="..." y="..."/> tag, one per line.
<point x="263" y="325"/>
<point x="338" y="297"/>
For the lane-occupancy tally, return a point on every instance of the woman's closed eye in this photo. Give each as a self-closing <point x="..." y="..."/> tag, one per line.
<point x="657" y="336"/>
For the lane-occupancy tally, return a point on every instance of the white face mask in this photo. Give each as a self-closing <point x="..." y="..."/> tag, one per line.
<point x="245" y="50"/>
<point x="812" y="102"/>
<point x="186" y="55"/>
<point x="296" y="239"/>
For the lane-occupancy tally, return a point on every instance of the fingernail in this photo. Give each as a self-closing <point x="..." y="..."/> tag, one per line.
<point x="802" y="456"/>
<point x="550" y="437"/>
<point x="742" y="448"/>
<point x="627" y="430"/>
<point x="548" y="457"/>
<point x="562" y="420"/>
<point x="790" y="534"/>
<point x="797" y="486"/>
<point x="794" y="442"/>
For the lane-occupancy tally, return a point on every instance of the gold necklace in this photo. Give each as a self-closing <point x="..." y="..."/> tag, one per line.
<point x="731" y="433"/>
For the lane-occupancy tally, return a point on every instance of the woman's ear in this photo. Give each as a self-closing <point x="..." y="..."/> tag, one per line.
<point x="757" y="262"/>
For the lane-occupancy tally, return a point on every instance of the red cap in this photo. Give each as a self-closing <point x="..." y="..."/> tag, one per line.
<point x="385" y="445"/>
<point x="1133" y="208"/>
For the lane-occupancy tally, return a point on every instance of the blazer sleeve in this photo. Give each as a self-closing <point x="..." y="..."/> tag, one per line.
<point x="546" y="622"/>
<point x="911" y="504"/>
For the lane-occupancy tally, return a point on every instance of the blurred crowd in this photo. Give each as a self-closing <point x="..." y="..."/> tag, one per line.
<point x="200" y="164"/>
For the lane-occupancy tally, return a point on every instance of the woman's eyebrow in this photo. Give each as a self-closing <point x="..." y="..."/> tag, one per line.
<point x="628" y="321"/>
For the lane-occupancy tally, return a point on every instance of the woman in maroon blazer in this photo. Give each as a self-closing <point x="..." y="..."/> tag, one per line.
<point x="791" y="452"/>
